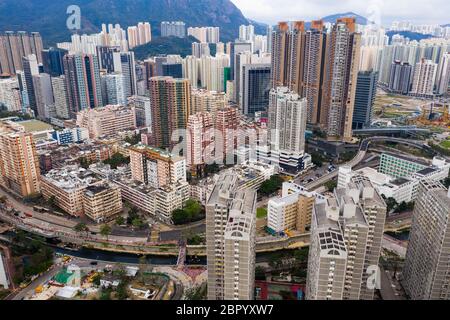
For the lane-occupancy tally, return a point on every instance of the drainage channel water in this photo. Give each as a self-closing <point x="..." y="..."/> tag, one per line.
<point x="130" y="258"/>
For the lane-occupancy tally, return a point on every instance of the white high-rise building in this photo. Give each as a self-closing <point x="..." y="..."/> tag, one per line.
<point x="424" y="78"/>
<point x="287" y="121"/>
<point x="230" y="241"/>
<point x="199" y="138"/>
<point x="44" y="96"/>
<point x="426" y="271"/>
<point x="212" y="72"/>
<point x="3" y="277"/>
<point x="200" y="49"/>
<point x="61" y="97"/>
<point x="246" y="33"/>
<point x="115" y="89"/>
<point x="443" y="76"/>
<point x="10" y="95"/>
<point x="346" y="235"/>
<point x="205" y="34"/>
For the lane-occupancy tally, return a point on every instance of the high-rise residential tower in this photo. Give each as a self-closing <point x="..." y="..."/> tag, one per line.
<point x="83" y="82"/>
<point x="230" y="241"/>
<point x="346" y="235"/>
<point x="19" y="162"/>
<point x="426" y="271"/>
<point x="340" y="78"/>
<point x="171" y="104"/>
<point x="366" y="89"/>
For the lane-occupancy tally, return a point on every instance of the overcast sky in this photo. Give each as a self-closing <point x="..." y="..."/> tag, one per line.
<point x="418" y="11"/>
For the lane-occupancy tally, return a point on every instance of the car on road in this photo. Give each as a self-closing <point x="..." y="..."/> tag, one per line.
<point x="94" y="263"/>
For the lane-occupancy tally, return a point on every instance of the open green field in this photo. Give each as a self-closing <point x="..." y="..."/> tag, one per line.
<point x="261" y="213"/>
<point x="445" y="144"/>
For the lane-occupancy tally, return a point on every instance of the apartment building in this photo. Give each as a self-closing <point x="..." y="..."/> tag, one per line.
<point x="207" y="101"/>
<point x="102" y="202"/>
<point x="230" y="238"/>
<point x="346" y="235"/>
<point x="199" y="140"/>
<point x="107" y="120"/>
<point x="155" y="167"/>
<point x="426" y="272"/>
<point x="293" y="210"/>
<point x="19" y="162"/>
<point x="67" y="186"/>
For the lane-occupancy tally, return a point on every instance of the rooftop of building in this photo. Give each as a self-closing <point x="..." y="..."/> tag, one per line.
<point x="71" y="177"/>
<point x="402" y="157"/>
<point x="160" y="152"/>
<point x="399" y="181"/>
<point x="426" y="171"/>
<point x="35" y="126"/>
<point x="96" y="189"/>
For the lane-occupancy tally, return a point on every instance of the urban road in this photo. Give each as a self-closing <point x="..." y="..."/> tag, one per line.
<point x="51" y="226"/>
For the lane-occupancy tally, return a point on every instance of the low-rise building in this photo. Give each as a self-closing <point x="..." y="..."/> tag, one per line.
<point x="292" y="211"/>
<point x="158" y="202"/>
<point x="102" y="202"/>
<point x="107" y="120"/>
<point x="401" y="188"/>
<point x="67" y="186"/>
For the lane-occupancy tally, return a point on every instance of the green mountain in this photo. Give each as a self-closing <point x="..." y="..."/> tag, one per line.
<point x="49" y="16"/>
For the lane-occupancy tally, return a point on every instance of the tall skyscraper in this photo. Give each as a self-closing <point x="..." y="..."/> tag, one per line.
<point x="255" y="88"/>
<point x="115" y="88"/>
<point x="443" y="77"/>
<point x="52" y="60"/>
<point x="19" y="162"/>
<point x="366" y="89"/>
<point x="400" y="77"/>
<point x="30" y="69"/>
<point x="226" y="122"/>
<point x="424" y="78"/>
<point x="16" y="45"/>
<point x="321" y="67"/>
<point x="83" y="82"/>
<point x="246" y="33"/>
<point x="230" y="241"/>
<point x="341" y="74"/>
<point x="346" y="235"/>
<point x="287" y="126"/>
<point x="106" y="58"/>
<point x="199" y="138"/>
<point x="124" y="63"/>
<point x="173" y="29"/>
<point x="288" y="69"/>
<point x="61" y="97"/>
<point x="426" y="270"/>
<point x="311" y="83"/>
<point x="171" y="104"/>
<point x="43" y="91"/>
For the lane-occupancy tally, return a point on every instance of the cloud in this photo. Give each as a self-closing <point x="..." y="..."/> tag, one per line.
<point x="272" y="11"/>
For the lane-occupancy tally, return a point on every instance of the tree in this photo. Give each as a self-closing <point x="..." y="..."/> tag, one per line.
<point x="137" y="223"/>
<point x="260" y="273"/>
<point x="331" y="185"/>
<point x="117" y="160"/>
<point x="3" y="199"/>
<point x="120" y="220"/>
<point x="391" y="204"/>
<point x="105" y="230"/>
<point x="270" y="186"/>
<point x="81" y="227"/>
<point x="317" y="159"/>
